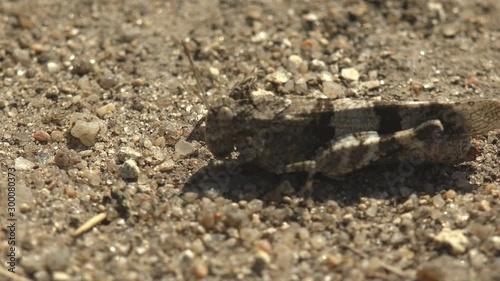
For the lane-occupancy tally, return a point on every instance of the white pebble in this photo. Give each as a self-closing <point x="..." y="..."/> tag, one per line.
<point x="85" y="131"/>
<point x="326" y="76"/>
<point x="350" y="74"/>
<point x="214" y="71"/>
<point x="86" y="127"/>
<point x="294" y="62"/>
<point x="53" y="67"/>
<point x="23" y="164"/>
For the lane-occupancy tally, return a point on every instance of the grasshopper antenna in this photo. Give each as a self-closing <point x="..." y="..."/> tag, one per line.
<point x="201" y="90"/>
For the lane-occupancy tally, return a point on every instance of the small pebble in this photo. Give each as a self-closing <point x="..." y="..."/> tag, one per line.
<point x="167" y="166"/>
<point x="42" y="275"/>
<point x="86" y="127"/>
<point x="70" y="191"/>
<point x="66" y="158"/>
<point x="21" y="56"/>
<point x="126" y="153"/>
<point x="280" y="76"/>
<point x="259" y="37"/>
<point x="332" y="90"/>
<point x="263" y="245"/>
<point x="371" y="211"/>
<point x="60" y="276"/>
<point x="57" y="136"/>
<point x="32" y="263"/>
<point x="484" y="206"/>
<point x="53" y="67"/>
<point x="184" y="148"/>
<point x="350" y="74"/>
<point x="107" y="82"/>
<point x="24" y="208"/>
<point x="200" y="269"/>
<point x="129" y="170"/>
<point x="438" y="201"/>
<point x="214" y="71"/>
<point x="85" y="131"/>
<point x="57" y="259"/>
<point x="318" y="242"/>
<point x="326" y="76"/>
<point x="317" y="65"/>
<point x="294" y="62"/>
<point x="450" y="30"/>
<point x="105" y="110"/>
<point x="190" y="197"/>
<point x="455" y="239"/>
<point x="450" y="194"/>
<point x="249" y="234"/>
<point x="23" y="164"/>
<point x="138" y="82"/>
<point x="372" y="84"/>
<point x="41" y="136"/>
<point x="160" y="141"/>
<point x="82" y="67"/>
<point x="491" y="189"/>
<point x="333" y="260"/>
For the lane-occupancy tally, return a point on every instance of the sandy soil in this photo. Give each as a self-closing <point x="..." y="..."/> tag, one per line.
<point x="116" y="68"/>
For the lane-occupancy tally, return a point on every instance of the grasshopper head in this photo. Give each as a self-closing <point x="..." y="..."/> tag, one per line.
<point x="220" y="127"/>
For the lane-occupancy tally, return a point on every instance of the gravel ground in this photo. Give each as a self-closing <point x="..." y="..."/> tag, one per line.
<point x="97" y="99"/>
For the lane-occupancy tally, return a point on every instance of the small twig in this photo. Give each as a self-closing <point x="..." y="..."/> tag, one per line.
<point x="89" y="224"/>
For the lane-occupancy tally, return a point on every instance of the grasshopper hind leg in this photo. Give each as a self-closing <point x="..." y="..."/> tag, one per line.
<point x="355" y="151"/>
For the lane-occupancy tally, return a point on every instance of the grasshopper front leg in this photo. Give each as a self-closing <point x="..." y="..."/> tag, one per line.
<point x="354" y="151"/>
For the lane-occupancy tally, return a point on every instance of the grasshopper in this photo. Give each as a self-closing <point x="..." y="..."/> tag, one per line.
<point x="338" y="136"/>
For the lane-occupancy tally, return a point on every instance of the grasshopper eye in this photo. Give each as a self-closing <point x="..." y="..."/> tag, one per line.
<point x="225" y="114"/>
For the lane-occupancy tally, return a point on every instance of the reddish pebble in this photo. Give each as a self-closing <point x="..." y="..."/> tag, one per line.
<point x="41" y="136"/>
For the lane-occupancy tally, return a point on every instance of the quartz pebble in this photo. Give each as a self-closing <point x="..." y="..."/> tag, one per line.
<point x="86" y="127"/>
<point x="184" y="148"/>
<point x="438" y="201"/>
<point x="294" y="62"/>
<point x="53" y="67"/>
<point x="350" y="74"/>
<point x="372" y="211"/>
<point x="23" y="164"/>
